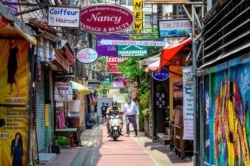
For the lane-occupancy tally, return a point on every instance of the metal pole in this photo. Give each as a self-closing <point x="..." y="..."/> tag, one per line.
<point x="194" y="68"/>
<point x="30" y="109"/>
<point x="194" y="103"/>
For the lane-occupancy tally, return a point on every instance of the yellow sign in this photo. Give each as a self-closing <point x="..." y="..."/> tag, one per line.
<point x="14" y="81"/>
<point x="137" y="36"/>
<point x="138" y="25"/>
<point x="138" y="15"/>
<point x="137" y="4"/>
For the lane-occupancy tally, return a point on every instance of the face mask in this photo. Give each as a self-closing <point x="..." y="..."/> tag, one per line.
<point x="129" y="101"/>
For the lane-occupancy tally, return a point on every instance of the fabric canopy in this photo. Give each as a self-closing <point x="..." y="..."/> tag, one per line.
<point x="153" y="67"/>
<point x="79" y="87"/>
<point x="167" y="54"/>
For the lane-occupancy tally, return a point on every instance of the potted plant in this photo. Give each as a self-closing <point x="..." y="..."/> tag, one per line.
<point x="57" y="142"/>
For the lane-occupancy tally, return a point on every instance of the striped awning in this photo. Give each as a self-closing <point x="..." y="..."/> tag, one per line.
<point x="80" y="88"/>
<point x="45" y="51"/>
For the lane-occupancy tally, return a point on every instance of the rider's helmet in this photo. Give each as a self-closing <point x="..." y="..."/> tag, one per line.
<point x="114" y="105"/>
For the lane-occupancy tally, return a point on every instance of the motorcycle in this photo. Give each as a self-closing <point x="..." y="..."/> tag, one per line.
<point x="115" y="126"/>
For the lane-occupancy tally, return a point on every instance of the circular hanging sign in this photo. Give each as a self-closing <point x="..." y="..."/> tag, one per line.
<point x="106" y="18"/>
<point x="161" y="76"/>
<point x="87" y="55"/>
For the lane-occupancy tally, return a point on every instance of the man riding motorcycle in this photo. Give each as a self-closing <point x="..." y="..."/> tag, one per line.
<point x="114" y="109"/>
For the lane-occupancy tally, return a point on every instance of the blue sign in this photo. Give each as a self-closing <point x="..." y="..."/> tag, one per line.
<point x="161" y="76"/>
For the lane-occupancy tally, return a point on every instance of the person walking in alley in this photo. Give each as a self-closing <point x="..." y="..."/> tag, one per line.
<point x="130" y="110"/>
<point x="104" y="110"/>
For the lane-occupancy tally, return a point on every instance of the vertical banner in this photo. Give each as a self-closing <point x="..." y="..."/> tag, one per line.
<point x="138" y="14"/>
<point x="14" y="81"/>
<point x="188" y="115"/>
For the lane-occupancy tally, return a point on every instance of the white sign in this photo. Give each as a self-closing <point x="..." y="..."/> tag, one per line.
<point x="120" y="98"/>
<point x="188" y="113"/>
<point x="63" y="91"/>
<point x="64" y="17"/>
<point x="133" y="42"/>
<point x="87" y="55"/>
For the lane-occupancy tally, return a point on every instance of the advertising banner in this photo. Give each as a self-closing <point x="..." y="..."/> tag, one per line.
<point x="14" y="81"/>
<point x="107" y="50"/>
<point x="188" y="113"/>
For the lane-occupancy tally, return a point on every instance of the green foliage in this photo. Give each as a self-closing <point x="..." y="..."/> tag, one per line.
<point x="60" y="140"/>
<point x="129" y="68"/>
<point x="143" y="94"/>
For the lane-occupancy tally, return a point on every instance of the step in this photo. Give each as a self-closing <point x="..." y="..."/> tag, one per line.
<point x="163" y="138"/>
<point x="46" y="157"/>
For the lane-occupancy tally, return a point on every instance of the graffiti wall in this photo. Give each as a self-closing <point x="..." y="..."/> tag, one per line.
<point x="14" y="97"/>
<point x="229" y="121"/>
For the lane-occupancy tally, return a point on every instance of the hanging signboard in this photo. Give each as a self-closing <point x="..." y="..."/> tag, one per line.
<point x="63" y="16"/>
<point x="112" y="63"/>
<point x="87" y="55"/>
<point x="63" y="91"/>
<point x="105" y="18"/>
<point x="155" y="43"/>
<point x="161" y="76"/>
<point x="107" y="50"/>
<point x="174" y="28"/>
<point x="132" y="51"/>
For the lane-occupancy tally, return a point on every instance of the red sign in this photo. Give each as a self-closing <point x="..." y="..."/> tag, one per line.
<point x="112" y="64"/>
<point x="105" y="18"/>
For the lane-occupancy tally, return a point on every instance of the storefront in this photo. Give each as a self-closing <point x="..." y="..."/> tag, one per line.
<point x="17" y="42"/>
<point x="168" y="94"/>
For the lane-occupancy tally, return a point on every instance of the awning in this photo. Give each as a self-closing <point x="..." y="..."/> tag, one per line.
<point x="10" y="24"/>
<point x="149" y="60"/>
<point x="64" y="44"/>
<point x="153" y="67"/>
<point x="169" y="52"/>
<point x="45" y="51"/>
<point x="79" y="87"/>
<point x="69" y="56"/>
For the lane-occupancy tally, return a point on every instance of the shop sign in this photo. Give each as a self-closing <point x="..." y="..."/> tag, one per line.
<point x="175" y="28"/>
<point x="112" y="64"/>
<point x="161" y="76"/>
<point x="87" y="55"/>
<point x="132" y="51"/>
<point x="107" y="50"/>
<point x="105" y="18"/>
<point x="64" y="17"/>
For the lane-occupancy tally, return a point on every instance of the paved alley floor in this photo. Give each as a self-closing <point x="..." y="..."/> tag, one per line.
<point x="100" y="150"/>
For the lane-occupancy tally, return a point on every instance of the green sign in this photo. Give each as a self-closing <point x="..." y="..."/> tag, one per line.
<point x="130" y="51"/>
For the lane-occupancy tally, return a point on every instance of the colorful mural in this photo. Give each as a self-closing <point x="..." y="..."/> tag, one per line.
<point x="14" y="98"/>
<point x="229" y="117"/>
